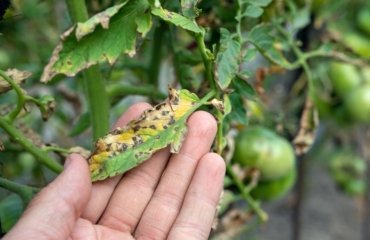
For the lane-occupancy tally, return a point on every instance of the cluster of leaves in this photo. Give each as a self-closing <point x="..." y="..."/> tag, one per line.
<point x="240" y="50"/>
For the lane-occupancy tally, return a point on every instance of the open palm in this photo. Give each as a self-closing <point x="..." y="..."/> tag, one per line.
<point x="170" y="196"/>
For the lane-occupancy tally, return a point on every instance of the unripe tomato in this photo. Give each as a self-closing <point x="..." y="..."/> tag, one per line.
<point x="358" y="43"/>
<point x="343" y="77"/>
<point x="274" y="189"/>
<point x="358" y="103"/>
<point x="262" y="149"/>
<point x="349" y="171"/>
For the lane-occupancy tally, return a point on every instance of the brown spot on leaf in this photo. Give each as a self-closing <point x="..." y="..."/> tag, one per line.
<point x="165" y="113"/>
<point x="159" y="106"/>
<point x="172" y="120"/>
<point x="117" y="131"/>
<point x="136" y="128"/>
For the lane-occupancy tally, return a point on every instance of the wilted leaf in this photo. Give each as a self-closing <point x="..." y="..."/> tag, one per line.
<point x="227" y="60"/>
<point x="177" y="20"/>
<point x="15" y="74"/>
<point x="125" y="148"/>
<point x="100" y="39"/>
<point x="189" y="8"/>
<point x="227" y="105"/>
<point x="261" y="37"/>
<point x="102" y="19"/>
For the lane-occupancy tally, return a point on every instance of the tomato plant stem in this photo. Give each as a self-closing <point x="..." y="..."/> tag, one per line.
<point x="155" y="61"/>
<point x="25" y="192"/>
<point x="207" y="60"/>
<point x="96" y="94"/>
<point x="21" y="98"/>
<point x="119" y="90"/>
<point x="246" y="196"/>
<point x="40" y="155"/>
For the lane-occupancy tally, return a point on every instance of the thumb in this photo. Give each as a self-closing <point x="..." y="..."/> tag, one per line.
<point x="53" y="213"/>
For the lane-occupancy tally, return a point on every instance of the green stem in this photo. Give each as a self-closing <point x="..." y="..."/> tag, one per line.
<point x="98" y="101"/>
<point x="21" y="98"/>
<point x="25" y="192"/>
<point x="220" y="132"/>
<point x="119" y="90"/>
<point x="207" y="60"/>
<point x="301" y="56"/>
<point x="238" y="18"/>
<point x="176" y="60"/>
<point x="155" y="61"/>
<point x="40" y="155"/>
<point x="55" y="149"/>
<point x="96" y="94"/>
<point x="246" y="196"/>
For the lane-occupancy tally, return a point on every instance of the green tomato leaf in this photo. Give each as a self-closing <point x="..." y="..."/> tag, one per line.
<point x="99" y="39"/>
<point x="11" y="209"/>
<point x="244" y="88"/>
<point x="260" y="36"/>
<point x="260" y="3"/>
<point x="227" y="60"/>
<point x="238" y="114"/>
<point x="177" y="19"/>
<point x="250" y="54"/>
<point x="189" y="8"/>
<point x="253" y="11"/>
<point x="125" y="148"/>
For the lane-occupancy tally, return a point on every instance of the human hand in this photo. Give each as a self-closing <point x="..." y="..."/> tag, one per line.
<point x="170" y="196"/>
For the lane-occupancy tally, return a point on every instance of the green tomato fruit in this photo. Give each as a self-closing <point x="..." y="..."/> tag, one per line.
<point x="363" y="20"/>
<point x="274" y="189"/>
<point x="343" y="77"/>
<point x="357" y="103"/>
<point x="348" y="170"/>
<point x="260" y="148"/>
<point x="358" y="43"/>
<point x="355" y="187"/>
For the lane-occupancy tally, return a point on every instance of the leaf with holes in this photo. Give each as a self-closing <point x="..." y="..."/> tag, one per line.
<point x="125" y="148"/>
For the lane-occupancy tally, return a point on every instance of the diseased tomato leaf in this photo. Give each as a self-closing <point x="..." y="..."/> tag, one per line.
<point x="100" y="39"/>
<point x="125" y="148"/>
<point x="18" y="77"/>
<point x="177" y="20"/>
<point x="189" y="9"/>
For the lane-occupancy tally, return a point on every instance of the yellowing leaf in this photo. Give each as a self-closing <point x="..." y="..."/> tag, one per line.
<point x="125" y="148"/>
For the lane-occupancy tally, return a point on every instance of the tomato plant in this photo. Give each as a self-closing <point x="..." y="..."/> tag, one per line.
<point x="283" y="79"/>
